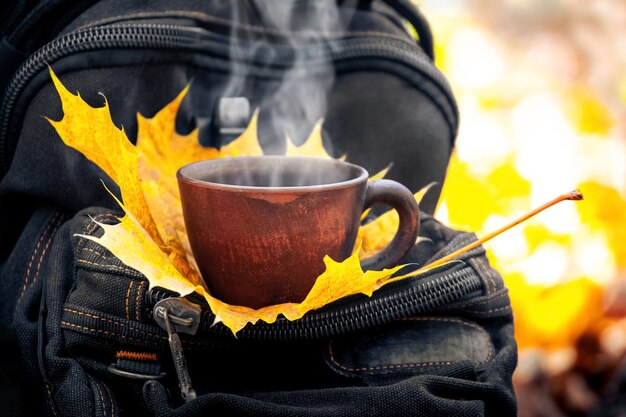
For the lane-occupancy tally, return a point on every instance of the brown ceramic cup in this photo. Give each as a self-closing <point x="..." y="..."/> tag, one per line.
<point x="259" y="227"/>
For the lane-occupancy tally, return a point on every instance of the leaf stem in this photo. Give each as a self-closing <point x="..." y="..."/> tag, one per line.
<point x="572" y="195"/>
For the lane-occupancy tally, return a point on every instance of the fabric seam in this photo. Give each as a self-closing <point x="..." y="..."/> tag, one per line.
<point x="52" y="227"/>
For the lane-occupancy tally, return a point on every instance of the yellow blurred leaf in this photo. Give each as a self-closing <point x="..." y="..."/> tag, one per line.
<point x="605" y="210"/>
<point x="553" y="317"/>
<point x="472" y="199"/>
<point x="587" y="112"/>
<point x="538" y="234"/>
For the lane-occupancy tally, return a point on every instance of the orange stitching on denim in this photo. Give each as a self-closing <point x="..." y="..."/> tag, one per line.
<point x="117" y="323"/>
<point x="130" y="287"/>
<point x="32" y="258"/>
<point x="97" y="253"/>
<point x="65" y="323"/>
<point x="379" y="368"/>
<point x="115" y="268"/>
<point x="87" y="230"/>
<point x="414" y="365"/>
<point x="185" y="342"/>
<point x="52" y="406"/>
<point x="104" y="411"/>
<point x="141" y="284"/>
<point x="107" y="267"/>
<point x="110" y="399"/>
<point x="91" y="226"/>
<point x="45" y="249"/>
<point x="137" y="356"/>
<point x="100" y="217"/>
<point x="482" y="331"/>
<point x="30" y="264"/>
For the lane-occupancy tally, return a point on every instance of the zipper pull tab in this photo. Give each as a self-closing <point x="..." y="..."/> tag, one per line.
<point x="174" y="315"/>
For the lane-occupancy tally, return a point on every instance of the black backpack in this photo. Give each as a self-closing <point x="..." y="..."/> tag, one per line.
<point x="79" y="326"/>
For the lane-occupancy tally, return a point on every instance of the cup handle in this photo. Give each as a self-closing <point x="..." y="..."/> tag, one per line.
<point x="401" y="199"/>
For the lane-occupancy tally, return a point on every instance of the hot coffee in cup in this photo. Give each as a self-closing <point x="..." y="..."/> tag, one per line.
<point x="259" y="227"/>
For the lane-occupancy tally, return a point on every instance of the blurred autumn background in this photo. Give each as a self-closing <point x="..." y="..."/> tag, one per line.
<point x="541" y="86"/>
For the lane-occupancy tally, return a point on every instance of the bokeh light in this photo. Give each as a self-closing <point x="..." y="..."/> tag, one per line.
<point x="541" y="87"/>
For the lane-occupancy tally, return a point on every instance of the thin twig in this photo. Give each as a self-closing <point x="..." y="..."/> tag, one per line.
<point x="573" y="195"/>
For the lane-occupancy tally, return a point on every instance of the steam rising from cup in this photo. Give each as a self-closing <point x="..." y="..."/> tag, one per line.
<point x="293" y="104"/>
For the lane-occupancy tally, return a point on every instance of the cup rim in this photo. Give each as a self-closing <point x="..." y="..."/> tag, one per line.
<point x="182" y="177"/>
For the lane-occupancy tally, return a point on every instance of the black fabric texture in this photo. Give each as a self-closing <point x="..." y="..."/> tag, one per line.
<point x="78" y="337"/>
<point x="68" y="306"/>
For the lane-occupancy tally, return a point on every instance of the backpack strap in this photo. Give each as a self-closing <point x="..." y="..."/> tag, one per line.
<point x="43" y="21"/>
<point x="406" y="10"/>
<point x="415" y="17"/>
<point x="29" y="24"/>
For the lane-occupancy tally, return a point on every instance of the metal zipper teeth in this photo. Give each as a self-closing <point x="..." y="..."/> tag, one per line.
<point x="427" y="295"/>
<point x="178" y="37"/>
<point x="90" y="39"/>
<point x="429" y="292"/>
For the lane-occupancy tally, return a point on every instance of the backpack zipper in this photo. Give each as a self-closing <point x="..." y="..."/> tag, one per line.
<point x="197" y="39"/>
<point x="429" y="292"/>
<point x="426" y="293"/>
<point x="176" y="348"/>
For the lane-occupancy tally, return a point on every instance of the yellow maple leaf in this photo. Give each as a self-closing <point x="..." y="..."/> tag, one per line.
<point x="132" y="244"/>
<point x="91" y="131"/>
<point x="151" y="237"/>
<point x="381" y="174"/>
<point x="339" y="280"/>
<point x="162" y="151"/>
<point x="312" y="146"/>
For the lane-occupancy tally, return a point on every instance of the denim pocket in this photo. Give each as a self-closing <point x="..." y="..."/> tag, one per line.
<point x="437" y="345"/>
